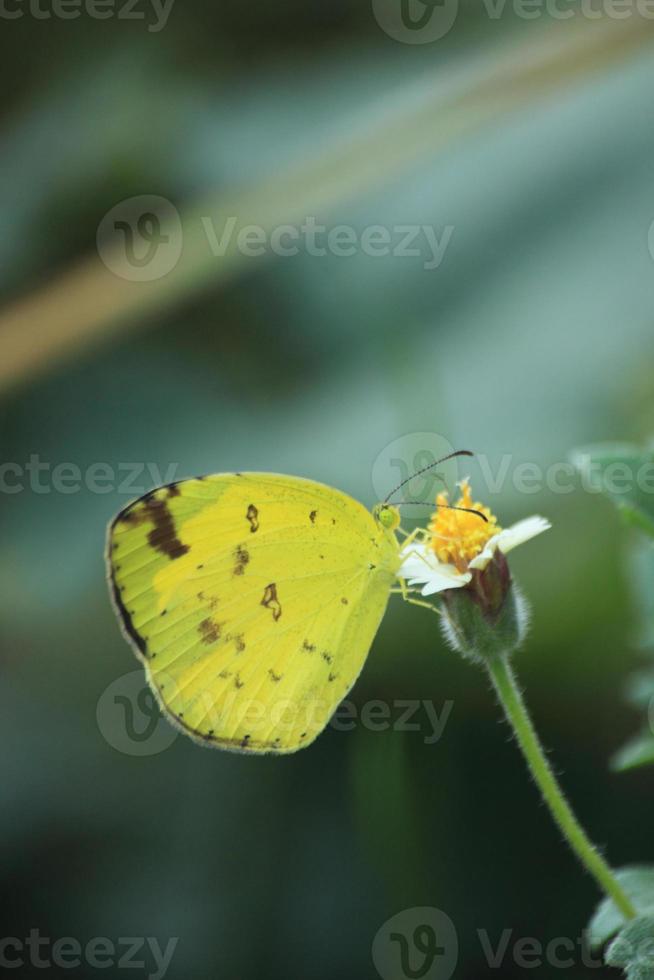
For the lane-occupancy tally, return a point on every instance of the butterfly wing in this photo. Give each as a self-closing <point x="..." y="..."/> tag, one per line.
<point x="253" y="600"/>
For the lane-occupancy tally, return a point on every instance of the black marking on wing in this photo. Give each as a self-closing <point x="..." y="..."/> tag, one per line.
<point x="163" y="536"/>
<point x="270" y="600"/>
<point x="252" y="516"/>
<point x="126" y="619"/>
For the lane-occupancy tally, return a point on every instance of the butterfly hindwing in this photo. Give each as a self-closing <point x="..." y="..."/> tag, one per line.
<point x="253" y="600"/>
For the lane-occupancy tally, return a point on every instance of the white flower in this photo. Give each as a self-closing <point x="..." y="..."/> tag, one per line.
<point x="421" y="565"/>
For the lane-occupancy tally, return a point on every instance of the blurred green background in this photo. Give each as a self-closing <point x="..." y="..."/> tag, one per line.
<point x="533" y="140"/>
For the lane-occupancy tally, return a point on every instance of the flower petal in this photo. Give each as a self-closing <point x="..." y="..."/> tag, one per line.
<point x="420" y="566"/>
<point x="510" y="538"/>
<point x="447" y="577"/>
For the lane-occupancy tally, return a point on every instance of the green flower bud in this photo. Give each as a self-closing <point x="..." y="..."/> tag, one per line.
<point x="487" y="617"/>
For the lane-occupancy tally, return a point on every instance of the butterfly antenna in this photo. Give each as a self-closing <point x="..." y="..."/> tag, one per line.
<point x="458" y="452"/>
<point x="466" y="510"/>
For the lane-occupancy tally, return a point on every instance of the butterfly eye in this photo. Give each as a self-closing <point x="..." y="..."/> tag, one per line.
<point x="388" y="516"/>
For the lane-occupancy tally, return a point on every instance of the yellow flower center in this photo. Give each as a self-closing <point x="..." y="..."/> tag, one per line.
<point x="458" y="537"/>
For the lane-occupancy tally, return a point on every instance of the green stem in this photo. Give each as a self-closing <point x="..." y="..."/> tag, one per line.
<point x="517" y="714"/>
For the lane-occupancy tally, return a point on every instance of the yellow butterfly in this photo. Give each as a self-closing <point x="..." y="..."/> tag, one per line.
<point x="252" y="600"/>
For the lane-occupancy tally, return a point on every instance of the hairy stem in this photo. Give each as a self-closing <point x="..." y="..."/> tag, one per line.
<point x="517" y="714"/>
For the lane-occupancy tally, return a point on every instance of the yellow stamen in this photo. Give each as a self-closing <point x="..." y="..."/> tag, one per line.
<point x="457" y="537"/>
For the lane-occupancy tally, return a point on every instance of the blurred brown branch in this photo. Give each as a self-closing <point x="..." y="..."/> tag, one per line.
<point x="88" y="302"/>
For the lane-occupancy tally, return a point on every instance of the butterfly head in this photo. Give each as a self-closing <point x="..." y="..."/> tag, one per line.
<point x="387" y="515"/>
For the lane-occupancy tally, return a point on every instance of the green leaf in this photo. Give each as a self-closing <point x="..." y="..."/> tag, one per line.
<point x="641" y="567"/>
<point x="625" y="474"/>
<point x="638" y="752"/>
<point x="638" y="883"/>
<point x="640" y="686"/>
<point x="633" y="949"/>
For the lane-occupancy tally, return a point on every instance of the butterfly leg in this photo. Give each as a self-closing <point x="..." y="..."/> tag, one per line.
<point x="405" y="591"/>
<point x="418" y="532"/>
<point x="425" y="605"/>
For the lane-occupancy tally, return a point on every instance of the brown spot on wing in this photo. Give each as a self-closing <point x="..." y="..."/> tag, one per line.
<point x="209" y="631"/>
<point x="212" y="600"/>
<point x="270" y="600"/>
<point x="241" y="557"/>
<point x="252" y="516"/>
<point x="274" y="677"/>
<point x="312" y="516"/>
<point x="309" y="647"/>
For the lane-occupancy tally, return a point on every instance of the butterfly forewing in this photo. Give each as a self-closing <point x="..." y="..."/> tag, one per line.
<point x="253" y="600"/>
